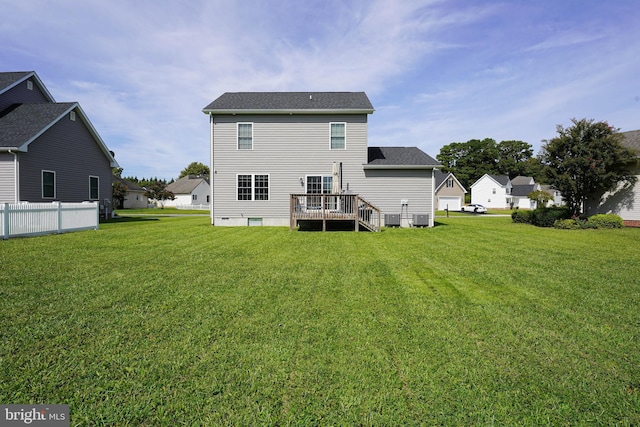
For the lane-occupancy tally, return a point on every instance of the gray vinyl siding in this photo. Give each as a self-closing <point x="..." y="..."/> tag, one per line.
<point x="7" y="178"/>
<point x="68" y="149"/>
<point x="287" y="148"/>
<point x="387" y="188"/>
<point x="19" y="94"/>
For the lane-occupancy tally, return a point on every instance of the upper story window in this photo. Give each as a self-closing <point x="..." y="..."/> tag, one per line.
<point x="450" y="183"/>
<point x="29" y="85"/>
<point x="245" y="136"/>
<point x="338" y="136"/>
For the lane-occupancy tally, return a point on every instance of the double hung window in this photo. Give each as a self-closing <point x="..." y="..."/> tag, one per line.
<point x="245" y="136"/>
<point x="338" y="136"/>
<point x="48" y="185"/>
<point x="253" y="187"/>
<point x="94" y="188"/>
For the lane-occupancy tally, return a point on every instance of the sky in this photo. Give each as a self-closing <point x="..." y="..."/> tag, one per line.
<point x="436" y="71"/>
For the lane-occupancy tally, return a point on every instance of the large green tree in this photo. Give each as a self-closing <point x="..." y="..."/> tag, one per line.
<point x="474" y="158"/>
<point x="586" y="160"/>
<point x="469" y="160"/>
<point x="195" y="168"/>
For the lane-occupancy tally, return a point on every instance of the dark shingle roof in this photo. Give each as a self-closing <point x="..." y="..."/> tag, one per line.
<point x="522" y="190"/>
<point x="10" y="78"/>
<point x="27" y="121"/>
<point x="500" y="179"/>
<point x="264" y="102"/>
<point x="400" y="156"/>
<point x="632" y="140"/>
<point x="186" y="184"/>
<point x="130" y="186"/>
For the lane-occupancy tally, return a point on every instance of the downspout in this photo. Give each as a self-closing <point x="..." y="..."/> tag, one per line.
<point x="212" y="170"/>
<point x="16" y="189"/>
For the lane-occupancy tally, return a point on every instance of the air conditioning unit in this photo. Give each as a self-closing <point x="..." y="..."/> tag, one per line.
<point x="420" y="220"/>
<point x="392" y="220"/>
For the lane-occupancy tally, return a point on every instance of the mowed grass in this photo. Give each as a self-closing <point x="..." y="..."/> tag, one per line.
<point x="477" y="321"/>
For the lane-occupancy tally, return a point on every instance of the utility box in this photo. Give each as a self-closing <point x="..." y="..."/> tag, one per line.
<point x="392" y="220"/>
<point x="420" y="220"/>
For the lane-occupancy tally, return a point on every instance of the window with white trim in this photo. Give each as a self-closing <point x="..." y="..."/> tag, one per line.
<point x="450" y="183"/>
<point x="245" y="136"/>
<point x="338" y="136"/>
<point x="253" y="187"/>
<point x="318" y="184"/>
<point x="48" y="184"/>
<point x="94" y="188"/>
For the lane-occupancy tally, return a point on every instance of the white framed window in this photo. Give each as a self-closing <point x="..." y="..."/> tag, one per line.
<point x="450" y="183"/>
<point x="48" y="184"/>
<point x="72" y="116"/>
<point x="245" y="136"/>
<point x="338" y="139"/>
<point x="94" y="188"/>
<point x="29" y="85"/>
<point x="252" y="187"/>
<point x="194" y="197"/>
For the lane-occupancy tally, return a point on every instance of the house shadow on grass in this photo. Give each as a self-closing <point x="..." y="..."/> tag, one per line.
<point x="122" y="219"/>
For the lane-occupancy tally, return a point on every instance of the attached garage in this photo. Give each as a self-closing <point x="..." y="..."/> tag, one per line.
<point x="449" y="202"/>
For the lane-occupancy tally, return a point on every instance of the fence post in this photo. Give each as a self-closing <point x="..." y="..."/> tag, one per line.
<point x="59" y="217"/>
<point x="5" y="221"/>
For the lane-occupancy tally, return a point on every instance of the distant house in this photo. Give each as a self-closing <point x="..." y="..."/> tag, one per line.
<point x="49" y="151"/>
<point x="557" y="199"/>
<point x="189" y="190"/>
<point x="279" y="157"/>
<point x="449" y="192"/>
<point x="492" y="191"/>
<point x="521" y="187"/>
<point x="135" y="197"/>
<point x="625" y="201"/>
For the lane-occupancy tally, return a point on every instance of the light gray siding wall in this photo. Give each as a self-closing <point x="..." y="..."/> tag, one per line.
<point x="68" y="149"/>
<point x="287" y="148"/>
<point x="624" y="202"/>
<point x="387" y="188"/>
<point x="7" y="178"/>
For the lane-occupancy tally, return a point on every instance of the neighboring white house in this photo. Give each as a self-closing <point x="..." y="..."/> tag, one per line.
<point x="274" y="152"/>
<point x="625" y="201"/>
<point x="492" y="191"/>
<point x="557" y="199"/>
<point x="135" y="197"/>
<point x="189" y="190"/>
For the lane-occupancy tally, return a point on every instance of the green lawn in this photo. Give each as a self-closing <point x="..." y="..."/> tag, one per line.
<point x="171" y="321"/>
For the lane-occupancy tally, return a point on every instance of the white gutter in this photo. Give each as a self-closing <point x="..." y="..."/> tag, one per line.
<point x="212" y="171"/>
<point x="414" y="167"/>
<point x="291" y="111"/>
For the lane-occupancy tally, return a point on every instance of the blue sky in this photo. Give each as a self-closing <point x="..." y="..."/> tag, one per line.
<point x="436" y="71"/>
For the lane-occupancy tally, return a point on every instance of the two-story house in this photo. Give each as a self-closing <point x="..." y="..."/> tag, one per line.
<point x="492" y="191"/>
<point x="276" y="152"/>
<point x="49" y="151"/>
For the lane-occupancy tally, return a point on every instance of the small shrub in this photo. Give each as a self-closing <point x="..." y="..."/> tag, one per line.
<point x="569" y="224"/>
<point x="546" y="217"/>
<point x="521" y="217"/>
<point x="605" y="221"/>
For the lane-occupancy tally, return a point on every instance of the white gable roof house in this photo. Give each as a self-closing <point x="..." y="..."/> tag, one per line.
<point x="492" y="191"/>
<point x="189" y="191"/>
<point x="294" y="158"/>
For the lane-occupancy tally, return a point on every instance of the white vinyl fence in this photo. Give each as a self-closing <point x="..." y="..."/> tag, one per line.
<point x="29" y="219"/>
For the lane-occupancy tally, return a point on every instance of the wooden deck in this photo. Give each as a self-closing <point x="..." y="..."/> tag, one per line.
<point x="334" y="207"/>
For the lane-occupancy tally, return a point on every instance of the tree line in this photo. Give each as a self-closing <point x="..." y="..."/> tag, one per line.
<point x="584" y="161"/>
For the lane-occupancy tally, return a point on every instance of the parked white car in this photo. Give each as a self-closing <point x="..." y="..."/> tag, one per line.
<point x="475" y="208"/>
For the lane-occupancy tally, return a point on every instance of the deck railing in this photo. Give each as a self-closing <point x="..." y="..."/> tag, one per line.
<point x="334" y="207"/>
